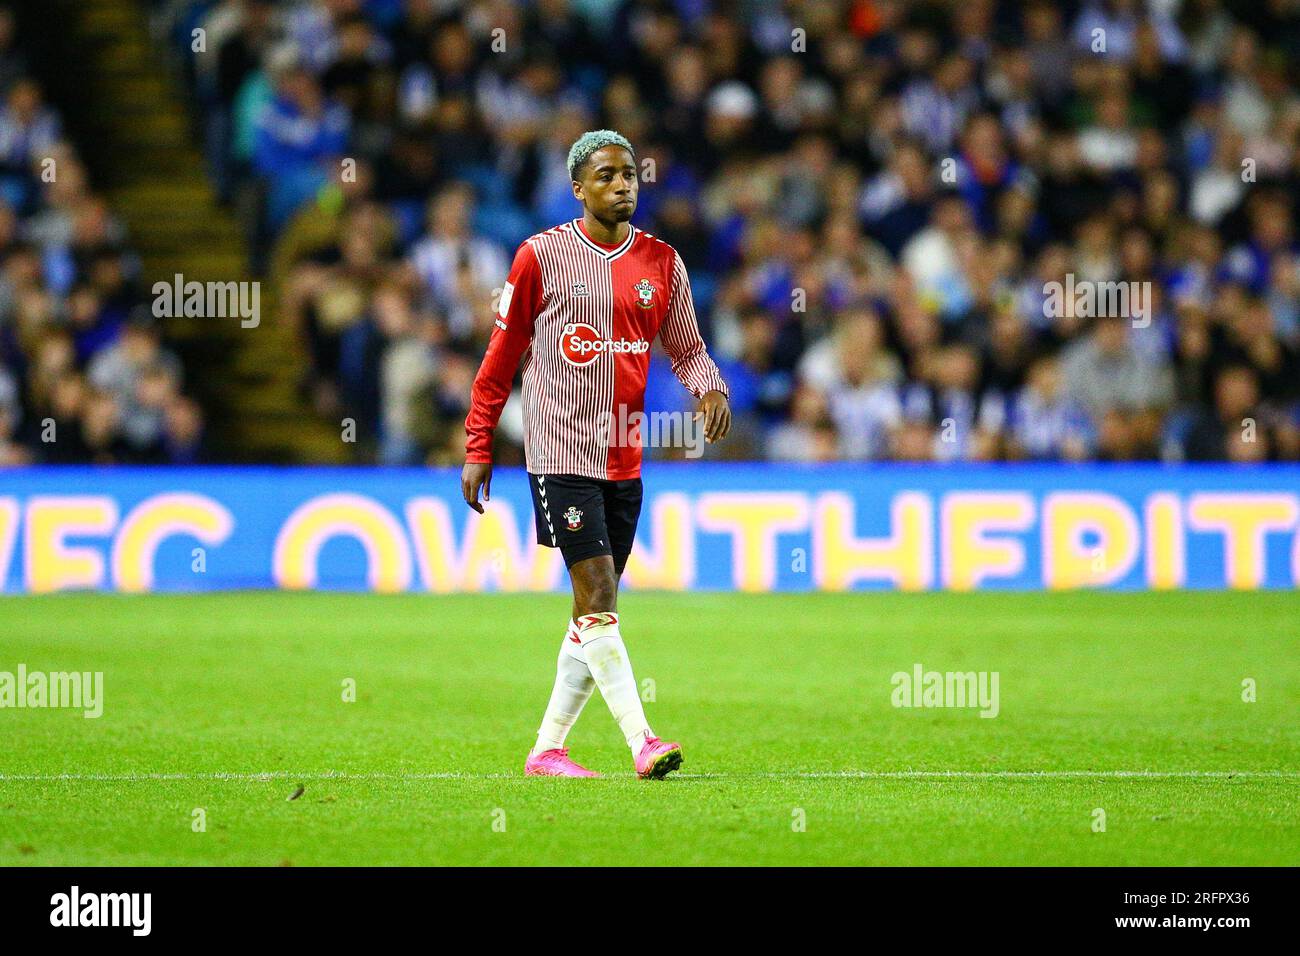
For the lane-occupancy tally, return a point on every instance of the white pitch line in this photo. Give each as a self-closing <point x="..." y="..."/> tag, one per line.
<point x="1020" y="774"/>
<point x="270" y="776"/>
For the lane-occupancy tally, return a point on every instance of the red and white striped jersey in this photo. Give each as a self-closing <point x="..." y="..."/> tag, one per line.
<point x="590" y="311"/>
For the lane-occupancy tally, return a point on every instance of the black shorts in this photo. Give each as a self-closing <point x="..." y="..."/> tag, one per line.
<point x="586" y="517"/>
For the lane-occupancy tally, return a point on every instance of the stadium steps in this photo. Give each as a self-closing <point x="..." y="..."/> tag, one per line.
<point x="126" y="112"/>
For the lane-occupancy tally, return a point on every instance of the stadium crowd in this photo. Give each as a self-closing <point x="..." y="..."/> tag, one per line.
<point x="85" y="376"/>
<point x="874" y="199"/>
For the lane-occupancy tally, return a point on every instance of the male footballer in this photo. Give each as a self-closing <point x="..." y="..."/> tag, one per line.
<point x="589" y="296"/>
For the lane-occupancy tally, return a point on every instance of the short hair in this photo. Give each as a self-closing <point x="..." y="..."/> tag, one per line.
<point x="589" y="142"/>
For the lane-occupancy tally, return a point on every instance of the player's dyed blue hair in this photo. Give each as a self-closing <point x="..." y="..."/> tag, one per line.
<point x="591" y="141"/>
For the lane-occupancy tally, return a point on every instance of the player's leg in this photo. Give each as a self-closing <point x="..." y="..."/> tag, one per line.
<point x="573" y="682"/>
<point x="595" y="599"/>
<point x="595" y="592"/>
<point x="573" y="688"/>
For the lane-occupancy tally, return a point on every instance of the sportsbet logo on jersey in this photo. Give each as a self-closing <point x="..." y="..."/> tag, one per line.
<point x="580" y="343"/>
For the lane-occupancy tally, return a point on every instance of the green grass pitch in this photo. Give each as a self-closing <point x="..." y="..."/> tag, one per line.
<point x="1127" y="703"/>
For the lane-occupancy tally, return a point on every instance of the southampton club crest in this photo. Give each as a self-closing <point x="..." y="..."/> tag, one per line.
<point x="574" y="517"/>
<point x="645" y="292"/>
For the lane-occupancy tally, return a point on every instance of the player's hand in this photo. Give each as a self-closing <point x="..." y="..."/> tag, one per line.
<point x="717" y="416"/>
<point x="473" y="477"/>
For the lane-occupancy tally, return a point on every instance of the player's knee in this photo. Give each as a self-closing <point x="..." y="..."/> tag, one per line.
<point x="595" y="586"/>
<point x="598" y="597"/>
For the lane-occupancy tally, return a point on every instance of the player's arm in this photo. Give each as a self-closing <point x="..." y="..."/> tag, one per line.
<point x="690" y="359"/>
<point x="521" y="300"/>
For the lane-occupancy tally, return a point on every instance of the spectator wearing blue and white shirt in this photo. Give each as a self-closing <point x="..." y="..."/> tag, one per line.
<point x="1043" y="422"/>
<point x="450" y="246"/>
<point x="858" y="376"/>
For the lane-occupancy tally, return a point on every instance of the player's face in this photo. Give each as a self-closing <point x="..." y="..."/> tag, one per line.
<point x="608" y="187"/>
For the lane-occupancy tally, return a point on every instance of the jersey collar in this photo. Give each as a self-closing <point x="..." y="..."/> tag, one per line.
<point x="607" y="254"/>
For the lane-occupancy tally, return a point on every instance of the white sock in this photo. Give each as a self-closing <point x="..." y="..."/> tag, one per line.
<point x="573" y="686"/>
<point x="612" y="670"/>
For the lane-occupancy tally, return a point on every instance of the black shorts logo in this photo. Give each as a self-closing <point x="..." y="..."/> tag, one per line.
<point x="574" y="517"/>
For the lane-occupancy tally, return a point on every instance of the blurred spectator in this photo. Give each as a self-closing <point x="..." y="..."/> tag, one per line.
<point x="13" y="62"/>
<point x="1118" y="388"/>
<point x="28" y="129"/>
<point x="810" y="433"/>
<point x="301" y="137"/>
<point x="1233" y="430"/>
<point x="450" y="255"/>
<point x="1043" y="423"/>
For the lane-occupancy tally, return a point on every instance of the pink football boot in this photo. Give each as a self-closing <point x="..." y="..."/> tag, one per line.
<point x="657" y="759"/>
<point x="554" y="763"/>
